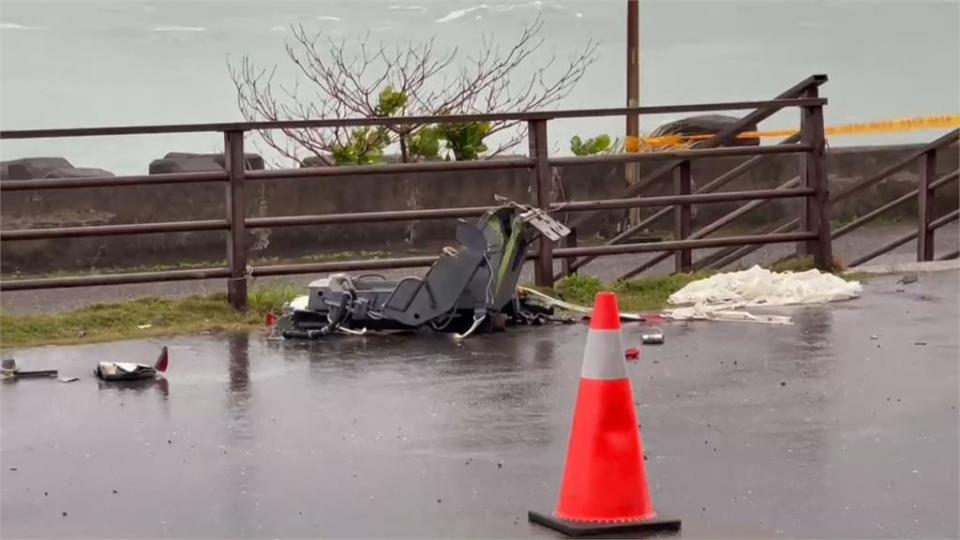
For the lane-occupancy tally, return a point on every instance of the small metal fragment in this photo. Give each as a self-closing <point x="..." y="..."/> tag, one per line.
<point x="654" y="336"/>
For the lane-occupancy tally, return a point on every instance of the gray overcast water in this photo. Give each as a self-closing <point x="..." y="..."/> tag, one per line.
<point x="69" y="63"/>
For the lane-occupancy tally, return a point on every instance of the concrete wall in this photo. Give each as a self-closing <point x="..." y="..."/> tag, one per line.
<point x="142" y="204"/>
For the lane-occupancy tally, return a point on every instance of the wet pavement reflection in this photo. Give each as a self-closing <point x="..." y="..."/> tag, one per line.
<point x="840" y="425"/>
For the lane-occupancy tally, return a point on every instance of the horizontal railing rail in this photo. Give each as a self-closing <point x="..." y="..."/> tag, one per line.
<point x="390" y="168"/>
<point x="777" y="104"/>
<point x="113" y="181"/>
<point x="114" y="279"/>
<point x="116" y="230"/>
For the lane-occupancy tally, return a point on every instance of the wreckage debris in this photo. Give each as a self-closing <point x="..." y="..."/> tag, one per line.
<point x="908" y="279"/>
<point x="652" y="337"/>
<point x="470" y="288"/>
<point x="129" y="371"/>
<point x="9" y="371"/>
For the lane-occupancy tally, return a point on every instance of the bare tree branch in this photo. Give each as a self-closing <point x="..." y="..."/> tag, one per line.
<point x="336" y="79"/>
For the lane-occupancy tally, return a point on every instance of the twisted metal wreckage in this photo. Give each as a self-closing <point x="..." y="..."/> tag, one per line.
<point x="468" y="289"/>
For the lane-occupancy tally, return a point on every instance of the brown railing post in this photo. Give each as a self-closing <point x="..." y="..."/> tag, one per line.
<point x="815" y="216"/>
<point x="571" y="242"/>
<point x="540" y="182"/>
<point x="236" y="214"/>
<point x="928" y="171"/>
<point x="682" y="226"/>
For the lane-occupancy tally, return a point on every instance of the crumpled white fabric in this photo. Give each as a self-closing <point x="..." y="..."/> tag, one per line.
<point x="761" y="287"/>
<point x="719" y="297"/>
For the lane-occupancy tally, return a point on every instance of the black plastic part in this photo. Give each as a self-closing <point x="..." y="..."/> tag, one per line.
<point x="40" y="373"/>
<point x="575" y="528"/>
<point x="295" y="334"/>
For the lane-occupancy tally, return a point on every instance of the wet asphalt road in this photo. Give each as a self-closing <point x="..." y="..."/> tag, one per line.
<point x="810" y="430"/>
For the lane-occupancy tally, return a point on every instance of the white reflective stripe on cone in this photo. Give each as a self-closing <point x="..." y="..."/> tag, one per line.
<point x="603" y="358"/>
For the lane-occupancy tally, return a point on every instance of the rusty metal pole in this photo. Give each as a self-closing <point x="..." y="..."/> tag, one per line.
<point x="236" y="214"/>
<point x="633" y="65"/>
<point x="682" y="226"/>
<point x="632" y="170"/>
<point x="541" y="184"/>
<point x="815" y="216"/>
<point x="804" y="248"/>
<point x="571" y="242"/>
<point x="928" y="170"/>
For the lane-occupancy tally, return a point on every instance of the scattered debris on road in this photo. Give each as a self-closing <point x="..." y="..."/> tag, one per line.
<point x="713" y="313"/>
<point x="908" y="279"/>
<point x="573" y="308"/>
<point x="127" y="371"/>
<point x="9" y="371"/>
<point x="654" y="336"/>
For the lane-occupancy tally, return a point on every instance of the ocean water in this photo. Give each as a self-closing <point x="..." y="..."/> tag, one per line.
<point x="68" y="63"/>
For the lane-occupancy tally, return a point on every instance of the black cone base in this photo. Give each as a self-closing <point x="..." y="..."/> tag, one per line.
<point x="579" y="528"/>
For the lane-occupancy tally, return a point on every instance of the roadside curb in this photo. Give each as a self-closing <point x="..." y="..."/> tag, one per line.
<point x="898" y="268"/>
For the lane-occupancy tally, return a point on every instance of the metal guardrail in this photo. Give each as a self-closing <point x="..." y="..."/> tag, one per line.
<point x="810" y="143"/>
<point x="807" y="88"/>
<point x="926" y="159"/>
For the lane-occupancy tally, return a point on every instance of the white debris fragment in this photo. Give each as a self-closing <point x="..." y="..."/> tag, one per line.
<point x="716" y="313"/>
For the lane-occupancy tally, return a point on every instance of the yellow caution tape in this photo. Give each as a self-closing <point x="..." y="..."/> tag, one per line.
<point x="947" y="121"/>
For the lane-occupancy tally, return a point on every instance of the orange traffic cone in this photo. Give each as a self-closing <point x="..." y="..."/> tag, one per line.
<point x="604" y="487"/>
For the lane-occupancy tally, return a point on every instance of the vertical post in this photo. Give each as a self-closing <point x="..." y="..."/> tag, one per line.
<point x="633" y="65"/>
<point x="540" y="181"/>
<point x="813" y="169"/>
<point x="632" y="169"/>
<point x="805" y="247"/>
<point x="571" y="242"/>
<point x="682" y="226"/>
<point x="928" y="170"/>
<point x="236" y="210"/>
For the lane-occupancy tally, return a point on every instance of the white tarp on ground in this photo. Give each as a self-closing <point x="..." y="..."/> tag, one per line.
<point x="719" y="297"/>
